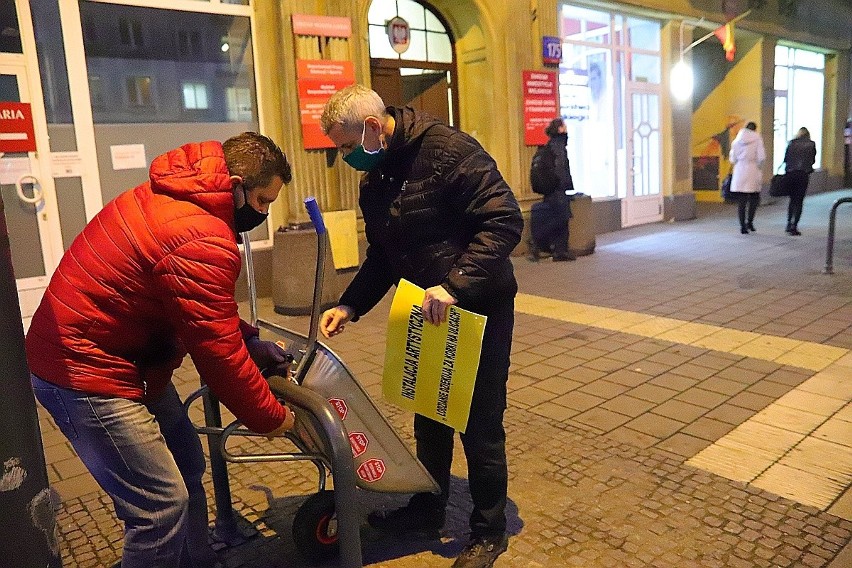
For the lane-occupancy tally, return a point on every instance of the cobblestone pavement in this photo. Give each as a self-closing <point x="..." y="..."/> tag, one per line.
<point x="600" y="422"/>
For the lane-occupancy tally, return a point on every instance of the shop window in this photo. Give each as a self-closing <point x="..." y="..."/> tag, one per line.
<point x="195" y="96"/>
<point x="139" y="91"/>
<point x="609" y="78"/>
<point x="799" y="95"/>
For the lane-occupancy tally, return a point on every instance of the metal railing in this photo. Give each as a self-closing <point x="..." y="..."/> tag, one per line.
<point x="829" y="252"/>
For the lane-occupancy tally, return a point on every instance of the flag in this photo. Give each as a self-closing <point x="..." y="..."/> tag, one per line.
<point x="726" y="36"/>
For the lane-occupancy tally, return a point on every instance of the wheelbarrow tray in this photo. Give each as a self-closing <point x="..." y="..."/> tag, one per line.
<point x="383" y="461"/>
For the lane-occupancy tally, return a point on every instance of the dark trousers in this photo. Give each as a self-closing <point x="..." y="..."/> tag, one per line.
<point x="797" y="181"/>
<point x="750" y="201"/>
<point x="484" y="440"/>
<point x="549" y="224"/>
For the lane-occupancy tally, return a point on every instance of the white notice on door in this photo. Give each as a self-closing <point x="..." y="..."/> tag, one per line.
<point x="66" y="164"/>
<point x="11" y="169"/>
<point x="128" y="156"/>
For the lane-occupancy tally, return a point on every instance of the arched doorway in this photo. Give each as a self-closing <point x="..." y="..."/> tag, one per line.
<point x="420" y="72"/>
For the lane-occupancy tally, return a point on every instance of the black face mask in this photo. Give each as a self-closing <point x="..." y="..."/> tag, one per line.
<point x="247" y="217"/>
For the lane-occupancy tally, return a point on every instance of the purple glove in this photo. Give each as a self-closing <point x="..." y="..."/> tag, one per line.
<point x="266" y="354"/>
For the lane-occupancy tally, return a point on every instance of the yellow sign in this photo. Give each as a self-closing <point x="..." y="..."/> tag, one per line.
<point x="431" y="369"/>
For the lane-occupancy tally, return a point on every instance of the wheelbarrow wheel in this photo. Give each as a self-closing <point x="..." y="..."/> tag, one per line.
<point x="315" y="527"/>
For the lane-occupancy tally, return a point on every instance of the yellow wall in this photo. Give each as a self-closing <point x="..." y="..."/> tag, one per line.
<point x="736" y="99"/>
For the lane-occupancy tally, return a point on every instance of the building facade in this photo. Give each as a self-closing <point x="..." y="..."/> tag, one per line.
<point x="111" y="84"/>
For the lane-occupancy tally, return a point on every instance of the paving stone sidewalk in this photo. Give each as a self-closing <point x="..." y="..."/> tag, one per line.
<point x="600" y="423"/>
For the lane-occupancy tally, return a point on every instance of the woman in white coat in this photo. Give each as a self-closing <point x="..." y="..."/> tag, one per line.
<point x="747" y="157"/>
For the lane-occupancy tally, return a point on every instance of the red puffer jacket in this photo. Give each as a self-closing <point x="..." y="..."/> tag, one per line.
<point x="149" y="279"/>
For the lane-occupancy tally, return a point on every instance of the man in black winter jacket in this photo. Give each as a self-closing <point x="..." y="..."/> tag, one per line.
<point x="438" y="213"/>
<point x="549" y="218"/>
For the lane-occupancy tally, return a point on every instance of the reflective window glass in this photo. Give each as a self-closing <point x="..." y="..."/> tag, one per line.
<point x="799" y="97"/>
<point x="379" y="44"/>
<point x="438" y="47"/>
<point x="812" y="59"/>
<point x="643" y="34"/>
<point x="141" y="60"/>
<point x="428" y="38"/>
<point x="586" y="103"/>
<point x="433" y="24"/>
<point x="781" y="55"/>
<point x="584" y="24"/>
<point x="644" y="68"/>
<point x="10" y="31"/>
<point x="413" y="13"/>
<point x="379" y="10"/>
<point x="417" y="48"/>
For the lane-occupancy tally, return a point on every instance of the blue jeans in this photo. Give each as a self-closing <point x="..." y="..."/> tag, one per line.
<point x="149" y="460"/>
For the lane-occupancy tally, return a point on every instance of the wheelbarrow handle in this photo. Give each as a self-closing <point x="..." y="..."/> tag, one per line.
<point x="315" y="214"/>
<point x="310" y="348"/>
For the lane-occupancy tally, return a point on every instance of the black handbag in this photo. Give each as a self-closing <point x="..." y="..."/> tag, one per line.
<point x="726" y="189"/>
<point x="778" y="186"/>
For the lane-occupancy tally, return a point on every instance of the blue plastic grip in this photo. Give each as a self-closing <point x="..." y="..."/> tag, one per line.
<point x="315" y="214"/>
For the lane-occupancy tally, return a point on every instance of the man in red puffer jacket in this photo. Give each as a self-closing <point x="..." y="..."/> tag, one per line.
<point x="150" y="279"/>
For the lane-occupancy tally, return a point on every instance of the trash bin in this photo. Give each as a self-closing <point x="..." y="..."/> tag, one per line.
<point x="581" y="226"/>
<point x="294" y="261"/>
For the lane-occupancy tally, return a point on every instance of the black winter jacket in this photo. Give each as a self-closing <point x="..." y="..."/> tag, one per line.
<point x="563" y="167"/>
<point x="800" y="155"/>
<point x="436" y="211"/>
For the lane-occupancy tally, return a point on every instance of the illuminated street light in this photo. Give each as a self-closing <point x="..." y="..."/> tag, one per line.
<point x="681" y="80"/>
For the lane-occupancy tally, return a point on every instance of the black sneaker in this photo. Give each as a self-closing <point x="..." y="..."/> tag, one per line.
<point x="482" y="551"/>
<point x="408" y="520"/>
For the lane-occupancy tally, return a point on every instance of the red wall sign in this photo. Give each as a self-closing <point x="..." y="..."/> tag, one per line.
<point x="326" y="26"/>
<point x="317" y="80"/>
<point x="17" y="133"/>
<point x="541" y="105"/>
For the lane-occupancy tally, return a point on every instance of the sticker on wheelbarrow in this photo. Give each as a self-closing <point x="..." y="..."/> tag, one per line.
<point x="359" y="443"/>
<point x="371" y="470"/>
<point x="340" y="406"/>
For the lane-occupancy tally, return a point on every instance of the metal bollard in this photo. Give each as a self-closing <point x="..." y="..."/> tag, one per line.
<point x="28" y="534"/>
<point x="829" y="253"/>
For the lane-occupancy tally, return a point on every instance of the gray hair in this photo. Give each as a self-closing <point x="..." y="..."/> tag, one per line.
<point x="350" y="106"/>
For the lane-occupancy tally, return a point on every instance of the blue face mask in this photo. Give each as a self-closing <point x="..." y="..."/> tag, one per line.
<point x="362" y="159"/>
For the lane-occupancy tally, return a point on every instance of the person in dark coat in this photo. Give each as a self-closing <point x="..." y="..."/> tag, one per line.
<point x="799" y="157"/>
<point x="438" y="213"/>
<point x="549" y="219"/>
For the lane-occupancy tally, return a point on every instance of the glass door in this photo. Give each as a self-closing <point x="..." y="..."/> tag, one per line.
<point x="28" y="197"/>
<point x="644" y="200"/>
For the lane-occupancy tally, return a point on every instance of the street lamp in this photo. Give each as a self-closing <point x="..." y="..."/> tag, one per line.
<point x="681" y="80"/>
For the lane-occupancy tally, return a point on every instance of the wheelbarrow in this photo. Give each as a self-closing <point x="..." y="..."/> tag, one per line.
<point x="338" y="427"/>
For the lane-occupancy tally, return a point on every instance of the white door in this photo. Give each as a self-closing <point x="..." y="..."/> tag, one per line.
<point x="28" y="195"/>
<point x="644" y="200"/>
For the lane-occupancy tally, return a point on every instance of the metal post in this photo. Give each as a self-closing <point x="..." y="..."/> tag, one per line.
<point x="28" y="535"/>
<point x="225" y="528"/>
<point x="829" y="252"/>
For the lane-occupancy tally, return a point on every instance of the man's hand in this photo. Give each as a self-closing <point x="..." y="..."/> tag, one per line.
<point x="435" y="304"/>
<point x="333" y="320"/>
<point x="286" y="426"/>
<point x="266" y="354"/>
